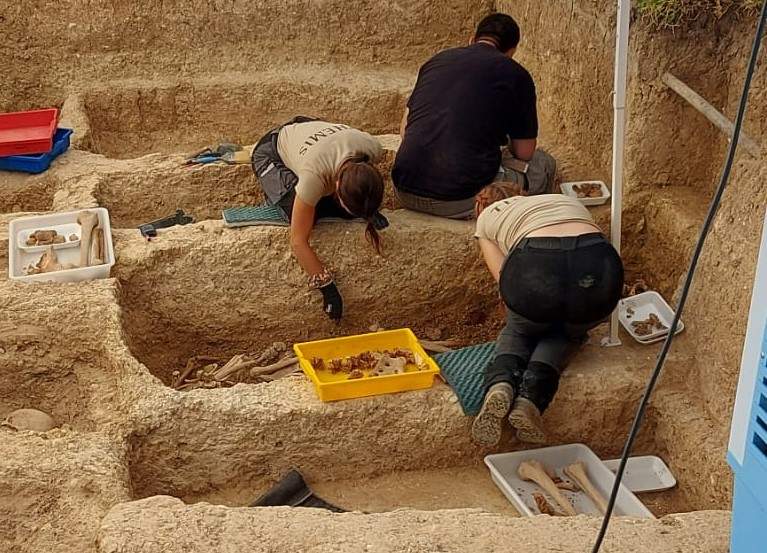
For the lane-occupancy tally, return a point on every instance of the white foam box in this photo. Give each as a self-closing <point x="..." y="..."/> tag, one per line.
<point x="18" y="258"/>
<point x="568" y="189"/>
<point x="646" y="473"/>
<point x="503" y="469"/>
<point x="639" y="308"/>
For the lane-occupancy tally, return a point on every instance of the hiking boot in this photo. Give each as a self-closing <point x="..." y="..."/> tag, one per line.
<point x="526" y="418"/>
<point x="488" y="424"/>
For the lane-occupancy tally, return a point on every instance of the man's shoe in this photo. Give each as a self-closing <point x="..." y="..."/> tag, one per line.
<point x="488" y="424"/>
<point x="526" y="418"/>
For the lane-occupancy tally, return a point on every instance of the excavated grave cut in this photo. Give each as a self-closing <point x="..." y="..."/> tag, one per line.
<point x="378" y="454"/>
<point x="20" y="193"/>
<point x="372" y="454"/>
<point x="52" y="357"/>
<point x="206" y="290"/>
<point x="129" y="120"/>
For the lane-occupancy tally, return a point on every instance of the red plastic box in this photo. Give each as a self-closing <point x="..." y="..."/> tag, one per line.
<point x="27" y="132"/>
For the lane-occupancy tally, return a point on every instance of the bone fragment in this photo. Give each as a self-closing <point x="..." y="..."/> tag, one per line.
<point x="390" y="365"/>
<point x="577" y="473"/>
<point x="183" y="376"/>
<point x="544" y="506"/>
<point x="274" y="367"/>
<point x="282" y="373"/>
<point x="73" y="237"/>
<point x="238" y="364"/>
<point x="234" y="365"/>
<point x="58" y="239"/>
<point x="44" y="237"/>
<point x="568" y="486"/>
<point x="271" y="353"/>
<point x="49" y="262"/>
<point x="534" y="471"/>
<point x="88" y="221"/>
<point x="29" y="419"/>
<point x="97" y="247"/>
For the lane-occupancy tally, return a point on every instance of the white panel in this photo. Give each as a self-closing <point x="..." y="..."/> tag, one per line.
<point x="752" y="351"/>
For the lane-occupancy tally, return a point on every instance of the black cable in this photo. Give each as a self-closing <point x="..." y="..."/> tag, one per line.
<point x="688" y="280"/>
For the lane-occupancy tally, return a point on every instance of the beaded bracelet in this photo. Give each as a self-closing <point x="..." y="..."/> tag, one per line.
<point x="321" y="279"/>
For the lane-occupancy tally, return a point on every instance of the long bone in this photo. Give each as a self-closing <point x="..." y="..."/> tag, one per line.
<point x="97" y="247"/>
<point x="534" y="471"/>
<point x="87" y="220"/>
<point x="577" y="473"/>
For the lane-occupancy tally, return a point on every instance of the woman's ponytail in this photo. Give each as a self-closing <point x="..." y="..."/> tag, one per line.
<point x="371" y="233"/>
<point x="361" y="190"/>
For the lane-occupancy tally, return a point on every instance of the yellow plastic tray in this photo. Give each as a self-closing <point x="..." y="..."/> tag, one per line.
<point x="333" y="387"/>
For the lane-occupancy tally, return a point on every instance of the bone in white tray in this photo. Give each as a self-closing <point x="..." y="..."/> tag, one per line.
<point x="503" y="469"/>
<point x="639" y="308"/>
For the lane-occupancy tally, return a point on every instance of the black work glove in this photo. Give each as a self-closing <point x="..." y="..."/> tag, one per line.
<point x="332" y="304"/>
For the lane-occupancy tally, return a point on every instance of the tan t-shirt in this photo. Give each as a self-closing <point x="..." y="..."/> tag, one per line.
<point x="314" y="151"/>
<point x="508" y="221"/>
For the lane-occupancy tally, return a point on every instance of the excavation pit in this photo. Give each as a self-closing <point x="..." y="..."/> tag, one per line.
<point x="29" y="382"/>
<point x="129" y="121"/>
<point x="409" y="450"/>
<point x="139" y="81"/>
<point x="22" y="193"/>
<point x="51" y="359"/>
<point x="427" y="490"/>
<point x="178" y="302"/>
<point x="461" y="487"/>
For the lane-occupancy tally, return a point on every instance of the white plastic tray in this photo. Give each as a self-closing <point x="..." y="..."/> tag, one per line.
<point x="647" y="473"/>
<point x="18" y="258"/>
<point x="64" y="230"/>
<point x="642" y="305"/>
<point x="567" y="189"/>
<point x="503" y="468"/>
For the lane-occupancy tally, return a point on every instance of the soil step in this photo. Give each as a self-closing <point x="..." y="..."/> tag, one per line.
<point x="669" y="225"/>
<point x="133" y="117"/>
<point x="693" y="448"/>
<point x="132" y="528"/>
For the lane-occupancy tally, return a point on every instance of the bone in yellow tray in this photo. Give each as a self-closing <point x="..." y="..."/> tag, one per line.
<point x="365" y="365"/>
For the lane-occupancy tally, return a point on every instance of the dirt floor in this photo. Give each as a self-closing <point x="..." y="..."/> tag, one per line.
<point x="137" y="465"/>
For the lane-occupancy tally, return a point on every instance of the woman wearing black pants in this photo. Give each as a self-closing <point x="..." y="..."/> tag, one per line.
<point x="559" y="278"/>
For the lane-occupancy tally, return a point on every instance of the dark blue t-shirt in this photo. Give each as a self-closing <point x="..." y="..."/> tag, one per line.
<point x="466" y="104"/>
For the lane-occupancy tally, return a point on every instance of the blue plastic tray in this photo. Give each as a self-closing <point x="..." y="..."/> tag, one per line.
<point x="40" y="162"/>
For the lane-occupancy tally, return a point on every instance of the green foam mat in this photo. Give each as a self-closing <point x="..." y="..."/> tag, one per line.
<point x="255" y="215"/>
<point x="271" y="215"/>
<point x="464" y="370"/>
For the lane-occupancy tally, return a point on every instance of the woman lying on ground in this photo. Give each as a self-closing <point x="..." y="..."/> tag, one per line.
<point x="312" y="170"/>
<point x="559" y="278"/>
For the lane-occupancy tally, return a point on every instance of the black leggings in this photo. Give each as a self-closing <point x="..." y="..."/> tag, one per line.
<point x="556" y="289"/>
<point x="573" y="279"/>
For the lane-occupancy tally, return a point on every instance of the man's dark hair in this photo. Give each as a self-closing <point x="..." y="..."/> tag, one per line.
<point x="501" y="28"/>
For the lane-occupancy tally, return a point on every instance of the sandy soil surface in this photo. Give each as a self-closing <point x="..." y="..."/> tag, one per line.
<point x="141" y="88"/>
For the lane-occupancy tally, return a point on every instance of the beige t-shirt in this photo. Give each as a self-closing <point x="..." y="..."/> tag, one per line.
<point x="508" y="221"/>
<point x="314" y="151"/>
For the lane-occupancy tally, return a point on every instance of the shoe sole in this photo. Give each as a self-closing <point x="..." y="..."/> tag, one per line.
<point x="488" y="424"/>
<point x="529" y="427"/>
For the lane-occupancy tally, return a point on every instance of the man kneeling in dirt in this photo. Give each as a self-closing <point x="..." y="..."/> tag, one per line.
<point x="467" y="103"/>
